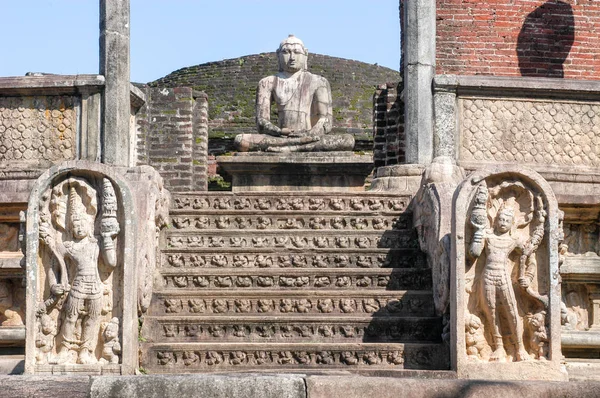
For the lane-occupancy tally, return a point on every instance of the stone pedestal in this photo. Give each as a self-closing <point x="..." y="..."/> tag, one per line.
<point x="400" y="178"/>
<point x="305" y="171"/>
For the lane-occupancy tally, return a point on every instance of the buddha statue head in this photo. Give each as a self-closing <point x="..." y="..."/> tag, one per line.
<point x="292" y="56"/>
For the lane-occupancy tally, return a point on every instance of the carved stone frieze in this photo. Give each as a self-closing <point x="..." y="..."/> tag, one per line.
<point x="424" y="356"/>
<point x="9" y="237"/>
<point x="316" y="204"/>
<point x="264" y="222"/>
<point x="396" y="258"/>
<point x="12" y="302"/>
<point x="37" y="129"/>
<point x="405" y="304"/>
<point x="381" y="329"/>
<point x="300" y="240"/>
<point x="575" y="310"/>
<point x="582" y="239"/>
<point x="397" y="279"/>
<point x="530" y="132"/>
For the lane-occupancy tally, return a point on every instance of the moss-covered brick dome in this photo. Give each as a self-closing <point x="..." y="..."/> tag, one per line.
<point x="231" y="88"/>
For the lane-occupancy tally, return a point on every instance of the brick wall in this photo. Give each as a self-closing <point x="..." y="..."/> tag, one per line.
<point x="172" y="135"/>
<point x="200" y="147"/>
<point x="519" y="38"/>
<point x="388" y="125"/>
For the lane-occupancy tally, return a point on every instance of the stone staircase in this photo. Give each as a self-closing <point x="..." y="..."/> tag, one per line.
<point x="291" y="282"/>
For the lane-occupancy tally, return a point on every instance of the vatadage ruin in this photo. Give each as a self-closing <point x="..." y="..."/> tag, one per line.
<point x="290" y="224"/>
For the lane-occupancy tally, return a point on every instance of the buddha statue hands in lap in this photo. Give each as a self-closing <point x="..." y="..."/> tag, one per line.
<point x="304" y="108"/>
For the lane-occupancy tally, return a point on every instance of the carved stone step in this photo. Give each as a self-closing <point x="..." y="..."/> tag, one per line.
<point x="290" y="222"/>
<point x="289" y="202"/>
<point x="285" y="329"/>
<point x="295" y="240"/>
<point x="322" y="279"/>
<point x="331" y="258"/>
<point x="292" y="303"/>
<point x="201" y="357"/>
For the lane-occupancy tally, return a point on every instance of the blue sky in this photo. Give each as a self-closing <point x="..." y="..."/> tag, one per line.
<point x="61" y="36"/>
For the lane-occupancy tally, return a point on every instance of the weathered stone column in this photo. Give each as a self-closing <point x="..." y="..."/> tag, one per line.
<point x="445" y="133"/>
<point x="114" y="65"/>
<point x="419" y="69"/>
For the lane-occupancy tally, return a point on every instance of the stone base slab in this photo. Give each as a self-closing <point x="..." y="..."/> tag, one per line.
<point x="303" y="171"/>
<point x="525" y="370"/>
<point x="284" y="386"/>
<point x="583" y="369"/>
<point x="400" y="179"/>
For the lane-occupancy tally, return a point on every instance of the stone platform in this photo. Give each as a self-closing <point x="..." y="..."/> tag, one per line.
<point x="302" y="171"/>
<point x="283" y="386"/>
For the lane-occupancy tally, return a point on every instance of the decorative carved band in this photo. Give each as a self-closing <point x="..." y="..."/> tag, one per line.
<point x="417" y="303"/>
<point x="387" y="240"/>
<point x="397" y="258"/>
<point x="253" y="203"/>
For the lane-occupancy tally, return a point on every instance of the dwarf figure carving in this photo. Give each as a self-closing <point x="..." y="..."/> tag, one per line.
<point x="111" y="348"/>
<point x="477" y="348"/>
<point x="45" y="338"/>
<point x="538" y="335"/>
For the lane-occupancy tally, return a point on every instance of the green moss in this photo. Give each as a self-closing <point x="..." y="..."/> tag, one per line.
<point x="216" y="134"/>
<point x="217" y="183"/>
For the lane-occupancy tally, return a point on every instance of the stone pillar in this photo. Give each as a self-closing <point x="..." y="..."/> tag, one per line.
<point x="595" y="301"/>
<point x="445" y="131"/>
<point x="114" y="65"/>
<point x="419" y="68"/>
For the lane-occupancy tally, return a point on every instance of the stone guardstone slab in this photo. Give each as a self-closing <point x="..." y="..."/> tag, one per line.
<point x="300" y="171"/>
<point x="86" y="275"/>
<point x="505" y="315"/>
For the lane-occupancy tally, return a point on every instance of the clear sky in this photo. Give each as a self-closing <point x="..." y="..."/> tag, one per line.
<point x="61" y="36"/>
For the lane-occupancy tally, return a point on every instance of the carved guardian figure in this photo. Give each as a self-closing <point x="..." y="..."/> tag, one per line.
<point x="76" y="288"/>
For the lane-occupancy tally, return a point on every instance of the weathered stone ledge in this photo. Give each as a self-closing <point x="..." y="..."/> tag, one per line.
<point x="285" y="386"/>
<point x="519" y="86"/>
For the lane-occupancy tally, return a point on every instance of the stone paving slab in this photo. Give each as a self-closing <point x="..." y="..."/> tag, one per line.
<point x="380" y="387"/>
<point x="209" y="386"/>
<point x="255" y="385"/>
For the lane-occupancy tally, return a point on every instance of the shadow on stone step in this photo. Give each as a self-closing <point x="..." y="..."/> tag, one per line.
<point x="407" y="323"/>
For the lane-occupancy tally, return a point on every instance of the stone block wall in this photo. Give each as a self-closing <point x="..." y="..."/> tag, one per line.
<point x="388" y="125"/>
<point x="534" y="38"/>
<point x="172" y="132"/>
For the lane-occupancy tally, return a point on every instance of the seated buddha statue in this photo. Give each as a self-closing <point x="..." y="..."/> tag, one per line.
<point x="304" y="108"/>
